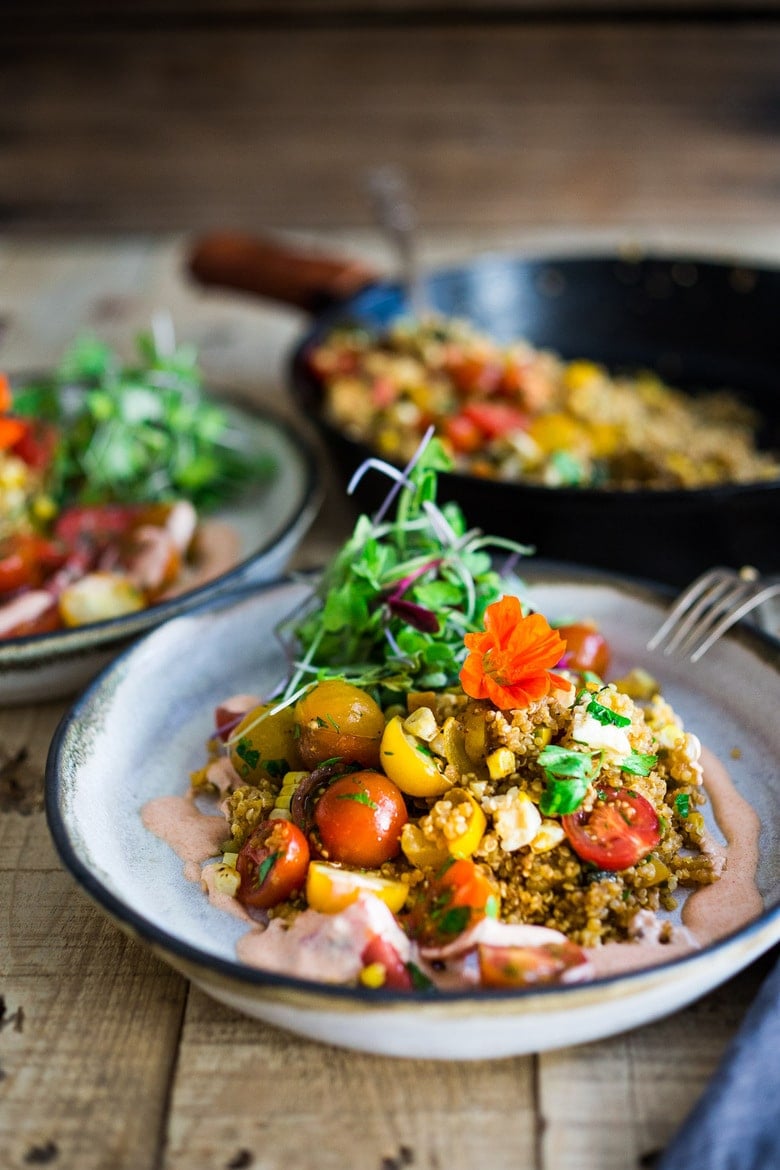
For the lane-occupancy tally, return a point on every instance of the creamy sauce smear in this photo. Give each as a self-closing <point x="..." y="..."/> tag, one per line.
<point x="709" y="913"/>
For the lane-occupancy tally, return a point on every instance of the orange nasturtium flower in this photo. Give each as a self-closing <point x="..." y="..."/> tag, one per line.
<point x="510" y="663"/>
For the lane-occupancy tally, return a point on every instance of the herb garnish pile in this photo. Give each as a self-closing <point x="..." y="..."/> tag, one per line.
<point x="393" y="605"/>
<point x="138" y="432"/>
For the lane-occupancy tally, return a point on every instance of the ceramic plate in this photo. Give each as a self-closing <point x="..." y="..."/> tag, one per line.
<point x="270" y="518"/>
<point x="140" y="728"/>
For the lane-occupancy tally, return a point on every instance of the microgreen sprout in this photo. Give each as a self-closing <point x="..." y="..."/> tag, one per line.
<point x="391" y="608"/>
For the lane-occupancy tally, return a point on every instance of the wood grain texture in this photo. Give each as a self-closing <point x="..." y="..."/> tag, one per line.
<point x="497" y="126"/>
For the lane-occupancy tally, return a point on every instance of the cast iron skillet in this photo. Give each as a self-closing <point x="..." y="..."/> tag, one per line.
<point x="701" y="325"/>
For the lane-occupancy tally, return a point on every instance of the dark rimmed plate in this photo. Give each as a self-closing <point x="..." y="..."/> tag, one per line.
<point x="140" y="728"/>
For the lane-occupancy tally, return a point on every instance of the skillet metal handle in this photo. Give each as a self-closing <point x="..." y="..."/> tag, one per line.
<point x="306" y="280"/>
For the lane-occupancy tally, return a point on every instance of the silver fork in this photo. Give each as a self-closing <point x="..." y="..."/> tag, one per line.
<point x="709" y="607"/>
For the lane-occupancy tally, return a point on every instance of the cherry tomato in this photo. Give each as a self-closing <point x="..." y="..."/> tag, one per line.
<point x="620" y="829"/>
<point x="527" y="966"/>
<point x="586" y="648"/>
<point x="474" y="373"/>
<point x="337" y="719"/>
<point x="465" y="435"/>
<point x="495" y="419"/>
<point x="379" y="950"/>
<point x="99" y="523"/>
<point x="359" y="819"/>
<point x="272" y="864"/>
<point x="451" y="901"/>
<point x="264" y="746"/>
<point x="25" y="561"/>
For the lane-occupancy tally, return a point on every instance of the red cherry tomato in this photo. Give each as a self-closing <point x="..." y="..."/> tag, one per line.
<point x="272" y="864"/>
<point x="495" y="419"/>
<point x="459" y="895"/>
<point x="26" y="560"/>
<point x="620" y="829"/>
<point x="359" y="818"/>
<point x="474" y="373"/>
<point x="527" y="966"/>
<point x="586" y="648"/>
<point x="465" y="435"/>
<point x="378" y="950"/>
<point x="99" y="523"/>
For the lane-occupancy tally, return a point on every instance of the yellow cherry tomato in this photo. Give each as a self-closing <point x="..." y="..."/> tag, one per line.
<point x="98" y="597"/>
<point x="263" y="745"/>
<point x="420" y="850"/>
<point x="466" y="842"/>
<point x="330" y="889"/>
<point x="409" y="762"/>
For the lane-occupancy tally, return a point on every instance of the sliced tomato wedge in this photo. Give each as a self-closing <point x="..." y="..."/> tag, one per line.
<point x="529" y="966"/>
<point x="99" y="523"/>
<point x="620" y="829"/>
<point x="451" y="901"/>
<point x="379" y="950"/>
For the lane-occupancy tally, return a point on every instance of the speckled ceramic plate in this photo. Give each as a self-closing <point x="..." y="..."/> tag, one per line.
<point x="270" y="518"/>
<point x="140" y="728"/>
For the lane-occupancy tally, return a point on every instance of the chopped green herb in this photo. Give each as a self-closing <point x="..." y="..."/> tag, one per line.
<point x="276" y="768"/>
<point x="682" y="802"/>
<point x="245" y="752"/>
<point x="568" y="775"/>
<point x="334" y="724"/>
<point x="605" y="715"/>
<point x="638" y="764"/>
<point x="453" y="921"/>
<point x="265" y="867"/>
<point x="359" y="798"/>
<point x="420" y="981"/>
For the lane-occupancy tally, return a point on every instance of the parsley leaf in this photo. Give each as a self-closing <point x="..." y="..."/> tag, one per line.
<point x="568" y="775"/>
<point x="605" y="716"/>
<point x="265" y="867"/>
<point x="245" y="752"/>
<point x="359" y="798"/>
<point x="682" y="802"/>
<point x="638" y="764"/>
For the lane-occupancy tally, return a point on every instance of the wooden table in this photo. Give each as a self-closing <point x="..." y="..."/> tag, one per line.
<point x="111" y="1061"/>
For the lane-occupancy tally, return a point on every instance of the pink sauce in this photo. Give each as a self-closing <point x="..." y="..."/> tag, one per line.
<point x="710" y="912"/>
<point x="193" y="836"/>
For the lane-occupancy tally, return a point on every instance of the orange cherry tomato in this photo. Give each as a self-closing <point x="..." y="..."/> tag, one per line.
<point x="465" y="435"/>
<point x="272" y="864"/>
<point x="359" y="818"/>
<point x="26" y="560"/>
<point x="514" y="967"/>
<point x="451" y="901"/>
<point x="586" y="648"/>
<point x="620" y="829"/>
<point x="338" y="719"/>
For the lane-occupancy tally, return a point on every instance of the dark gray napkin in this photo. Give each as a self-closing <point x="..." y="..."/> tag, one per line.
<point x="736" y="1124"/>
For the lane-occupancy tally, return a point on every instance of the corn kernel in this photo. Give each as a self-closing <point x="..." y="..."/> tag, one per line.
<point x="579" y="373"/>
<point x="549" y="835"/>
<point x="374" y="975"/>
<point x="637" y="684"/>
<point x="422" y="723"/>
<point x="653" y="872"/>
<point x="542" y="736"/>
<point x="500" y="763"/>
<point x="669" y="735"/>
<point x="43" y="507"/>
<point x="226" y="880"/>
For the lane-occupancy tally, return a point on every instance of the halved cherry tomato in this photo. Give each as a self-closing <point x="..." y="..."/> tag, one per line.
<point x="465" y="435"/>
<point x="451" y="901"/>
<point x="272" y="864"/>
<point x="474" y="373"/>
<point x="620" y="829"/>
<point x="527" y="966"/>
<point x="495" y="419"/>
<point x="586" y="648"/>
<point x="25" y="560"/>
<point x="339" y="719"/>
<point x="99" y="523"/>
<point x="379" y="950"/>
<point x="359" y="819"/>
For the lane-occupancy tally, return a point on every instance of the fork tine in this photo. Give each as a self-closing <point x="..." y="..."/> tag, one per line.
<point x="758" y="597"/>
<point x="685" y="600"/>
<point x="699" y="615"/>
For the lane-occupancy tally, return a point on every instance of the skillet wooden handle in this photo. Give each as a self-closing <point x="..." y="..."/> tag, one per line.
<point x="250" y="264"/>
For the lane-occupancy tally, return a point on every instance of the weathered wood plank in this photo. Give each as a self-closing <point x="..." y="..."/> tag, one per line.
<point x="243" y="1086"/>
<point x="497" y="126"/>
